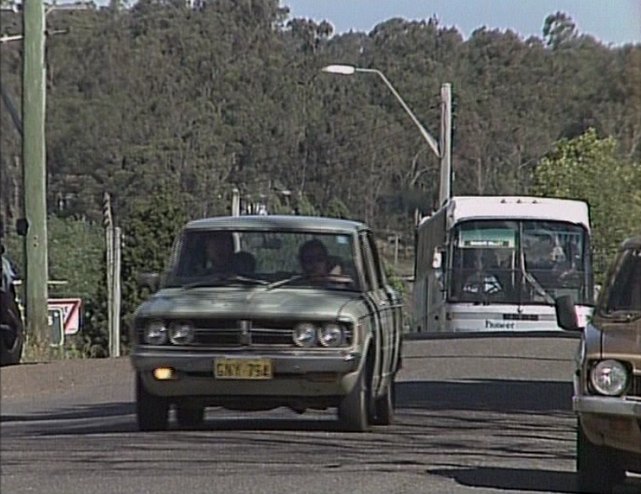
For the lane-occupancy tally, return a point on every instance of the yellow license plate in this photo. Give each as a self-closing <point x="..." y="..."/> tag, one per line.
<point x="231" y="368"/>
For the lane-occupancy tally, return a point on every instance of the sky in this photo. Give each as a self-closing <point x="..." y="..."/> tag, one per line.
<point x="613" y="22"/>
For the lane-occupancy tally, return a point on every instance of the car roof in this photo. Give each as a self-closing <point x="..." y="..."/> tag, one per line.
<point x="277" y="222"/>
<point x="631" y="243"/>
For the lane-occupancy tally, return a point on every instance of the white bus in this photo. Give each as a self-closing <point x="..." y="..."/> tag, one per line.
<point x="496" y="264"/>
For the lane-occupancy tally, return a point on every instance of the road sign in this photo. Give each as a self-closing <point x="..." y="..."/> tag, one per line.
<point x="71" y="313"/>
<point x="55" y="325"/>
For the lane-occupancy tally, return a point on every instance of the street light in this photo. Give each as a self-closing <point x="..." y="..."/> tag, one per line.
<point x="442" y="150"/>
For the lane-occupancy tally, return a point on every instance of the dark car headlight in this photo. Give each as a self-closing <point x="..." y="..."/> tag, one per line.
<point x="609" y="377"/>
<point x="181" y="333"/>
<point x="155" y="333"/>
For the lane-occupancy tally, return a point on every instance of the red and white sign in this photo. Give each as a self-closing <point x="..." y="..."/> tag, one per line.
<point x="70" y="308"/>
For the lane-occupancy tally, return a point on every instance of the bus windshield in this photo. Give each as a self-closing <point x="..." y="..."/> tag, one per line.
<point x="519" y="262"/>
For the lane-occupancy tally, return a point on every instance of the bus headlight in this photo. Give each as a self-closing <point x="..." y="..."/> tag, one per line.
<point x="609" y="377"/>
<point x="331" y="335"/>
<point x="155" y="333"/>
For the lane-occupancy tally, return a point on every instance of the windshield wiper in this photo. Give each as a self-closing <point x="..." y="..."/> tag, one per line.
<point x="285" y="281"/>
<point x="220" y="280"/>
<point x="537" y="286"/>
<point x="624" y="315"/>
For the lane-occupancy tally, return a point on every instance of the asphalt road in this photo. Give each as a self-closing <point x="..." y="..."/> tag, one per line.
<point x="479" y="415"/>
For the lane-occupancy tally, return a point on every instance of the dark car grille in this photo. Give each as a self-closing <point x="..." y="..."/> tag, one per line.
<point x="234" y="333"/>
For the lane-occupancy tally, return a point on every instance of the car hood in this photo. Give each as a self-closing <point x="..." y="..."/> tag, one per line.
<point x="247" y="303"/>
<point x="617" y="340"/>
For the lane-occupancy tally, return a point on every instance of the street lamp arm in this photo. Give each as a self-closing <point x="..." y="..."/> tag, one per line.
<point x="426" y="135"/>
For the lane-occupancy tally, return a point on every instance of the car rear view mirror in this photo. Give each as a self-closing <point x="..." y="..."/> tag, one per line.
<point x="149" y="280"/>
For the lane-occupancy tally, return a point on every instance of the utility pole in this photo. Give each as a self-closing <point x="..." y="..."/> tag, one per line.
<point x="34" y="171"/>
<point x="235" y="202"/>
<point x="112" y="246"/>
<point x="445" y="147"/>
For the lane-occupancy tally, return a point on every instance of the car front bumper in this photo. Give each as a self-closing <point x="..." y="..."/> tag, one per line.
<point x="300" y="374"/>
<point x="610" y="421"/>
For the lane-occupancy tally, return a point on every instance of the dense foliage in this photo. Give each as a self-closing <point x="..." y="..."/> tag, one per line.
<point x="588" y="168"/>
<point x="226" y="94"/>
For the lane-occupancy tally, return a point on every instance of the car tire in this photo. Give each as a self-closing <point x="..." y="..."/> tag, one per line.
<point x="384" y="407"/>
<point x="152" y="411"/>
<point x="598" y="467"/>
<point x="353" y="410"/>
<point x="190" y="417"/>
<point x="11" y="339"/>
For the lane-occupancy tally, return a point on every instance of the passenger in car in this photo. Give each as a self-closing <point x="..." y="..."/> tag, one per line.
<point x="243" y="263"/>
<point x="314" y="260"/>
<point x="219" y="251"/>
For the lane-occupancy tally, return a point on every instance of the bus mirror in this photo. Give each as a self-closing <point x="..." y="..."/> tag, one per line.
<point x="437" y="260"/>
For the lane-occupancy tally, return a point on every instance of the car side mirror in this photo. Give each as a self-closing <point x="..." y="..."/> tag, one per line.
<point x="566" y="316"/>
<point x="149" y="280"/>
<point x="437" y="259"/>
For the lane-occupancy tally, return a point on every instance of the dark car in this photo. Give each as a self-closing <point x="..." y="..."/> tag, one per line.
<point x="11" y="324"/>
<point x="607" y="381"/>
<point x="259" y="312"/>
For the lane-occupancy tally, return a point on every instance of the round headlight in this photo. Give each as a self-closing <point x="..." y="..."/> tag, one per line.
<point x="304" y="334"/>
<point x="331" y="335"/>
<point x="181" y="333"/>
<point x="156" y="333"/>
<point x="609" y="377"/>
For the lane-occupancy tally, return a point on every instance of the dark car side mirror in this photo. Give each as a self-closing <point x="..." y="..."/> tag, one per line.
<point x="566" y="316"/>
<point x="149" y="280"/>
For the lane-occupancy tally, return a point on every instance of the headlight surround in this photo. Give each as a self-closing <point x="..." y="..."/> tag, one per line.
<point x="331" y="335"/>
<point x="609" y="377"/>
<point x="304" y="334"/>
<point x="155" y="333"/>
<point x="181" y="333"/>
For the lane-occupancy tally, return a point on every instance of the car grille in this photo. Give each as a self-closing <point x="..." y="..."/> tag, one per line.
<point x="635" y="387"/>
<point x="235" y="333"/>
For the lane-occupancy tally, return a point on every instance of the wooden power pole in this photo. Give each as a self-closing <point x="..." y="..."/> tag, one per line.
<point x="34" y="170"/>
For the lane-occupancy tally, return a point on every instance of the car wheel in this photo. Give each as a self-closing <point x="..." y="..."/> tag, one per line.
<point x="598" y="467"/>
<point x="12" y="337"/>
<point x="189" y="416"/>
<point x="353" y="409"/>
<point x="152" y="411"/>
<point x="384" y="407"/>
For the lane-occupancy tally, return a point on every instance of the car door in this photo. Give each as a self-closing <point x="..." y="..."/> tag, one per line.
<point x="381" y="306"/>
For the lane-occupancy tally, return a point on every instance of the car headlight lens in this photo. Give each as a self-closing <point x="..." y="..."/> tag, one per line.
<point x="331" y="335"/>
<point x="304" y="334"/>
<point x="609" y="377"/>
<point x="181" y="333"/>
<point x="156" y="333"/>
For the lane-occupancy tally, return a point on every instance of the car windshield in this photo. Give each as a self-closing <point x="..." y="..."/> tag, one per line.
<point x="267" y="259"/>
<point x="622" y="293"/>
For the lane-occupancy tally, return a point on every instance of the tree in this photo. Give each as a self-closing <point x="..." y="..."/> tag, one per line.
<point x="149" y="232"/>
<point x="559" y="29"/>
<point x="590" y="169"/>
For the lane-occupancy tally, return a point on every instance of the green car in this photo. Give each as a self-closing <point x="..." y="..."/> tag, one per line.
<point x="259" y="312"/>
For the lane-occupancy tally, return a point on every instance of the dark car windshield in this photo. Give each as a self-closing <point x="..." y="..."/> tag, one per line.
<point x="622" y="292"/>
<point x="262" y="258"/>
